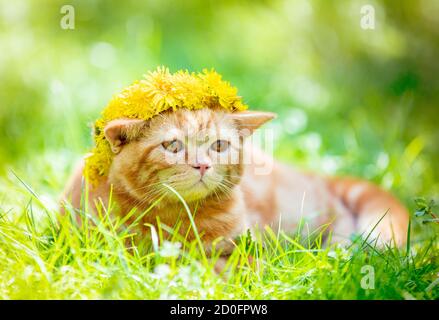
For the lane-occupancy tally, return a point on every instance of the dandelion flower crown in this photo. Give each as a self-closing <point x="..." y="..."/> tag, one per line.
<point x="160" y="90"/>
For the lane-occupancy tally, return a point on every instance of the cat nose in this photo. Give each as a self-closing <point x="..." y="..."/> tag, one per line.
<point x="202" y="167"/>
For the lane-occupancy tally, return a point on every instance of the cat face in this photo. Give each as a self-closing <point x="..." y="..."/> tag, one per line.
<point x="196" y="153"/>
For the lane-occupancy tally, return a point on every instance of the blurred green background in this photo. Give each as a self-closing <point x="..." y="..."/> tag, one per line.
<point x="351" y="101"/>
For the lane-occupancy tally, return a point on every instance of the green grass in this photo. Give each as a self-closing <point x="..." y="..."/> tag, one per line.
<point x="44" y="255"/>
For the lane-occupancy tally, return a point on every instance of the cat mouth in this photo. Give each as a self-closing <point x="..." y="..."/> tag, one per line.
<point x="200" y="183"/>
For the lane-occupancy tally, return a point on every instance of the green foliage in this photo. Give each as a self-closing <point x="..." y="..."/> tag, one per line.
<point x="425" y="209"/>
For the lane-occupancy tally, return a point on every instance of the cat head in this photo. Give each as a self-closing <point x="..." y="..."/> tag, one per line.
<point x="197" y="153"/>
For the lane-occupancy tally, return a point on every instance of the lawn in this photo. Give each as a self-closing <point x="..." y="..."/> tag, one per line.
<point x="349" y="101"/>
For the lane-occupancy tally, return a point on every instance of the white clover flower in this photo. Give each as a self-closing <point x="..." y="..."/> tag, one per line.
<point x="170" y="249"/>
<point x="162" y="270"/>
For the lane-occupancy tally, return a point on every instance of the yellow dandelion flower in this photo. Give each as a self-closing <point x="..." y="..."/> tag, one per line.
<point x="159" y="91"/>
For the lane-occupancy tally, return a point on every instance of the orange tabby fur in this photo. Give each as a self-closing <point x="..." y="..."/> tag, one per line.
<point x="233" y="197"/>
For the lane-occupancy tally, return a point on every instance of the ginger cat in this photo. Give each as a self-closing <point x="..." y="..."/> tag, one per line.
<point x="192" y="151"/>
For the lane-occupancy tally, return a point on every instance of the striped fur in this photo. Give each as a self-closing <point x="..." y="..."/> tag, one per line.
<point x="232" y="197"/>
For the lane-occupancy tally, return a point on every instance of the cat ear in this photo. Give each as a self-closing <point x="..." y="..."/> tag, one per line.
<point x="120" y="131"/>
<point x="249" y="121"/>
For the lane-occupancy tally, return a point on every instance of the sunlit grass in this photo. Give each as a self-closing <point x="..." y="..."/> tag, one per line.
<point x="45" y="255"/>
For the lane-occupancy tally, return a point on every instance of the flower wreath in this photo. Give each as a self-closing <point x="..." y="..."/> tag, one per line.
<point x="160" y="90"/>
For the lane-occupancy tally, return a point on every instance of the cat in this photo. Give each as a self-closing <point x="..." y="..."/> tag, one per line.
<point x="186" y="155"/>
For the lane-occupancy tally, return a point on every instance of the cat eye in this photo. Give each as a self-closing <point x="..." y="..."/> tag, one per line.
<point x="173" y="146"/>
<point x="220" y="145"/>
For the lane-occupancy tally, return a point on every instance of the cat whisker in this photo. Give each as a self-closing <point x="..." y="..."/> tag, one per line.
<point x="152" y="195"/>
<point x="138" y="189"/>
